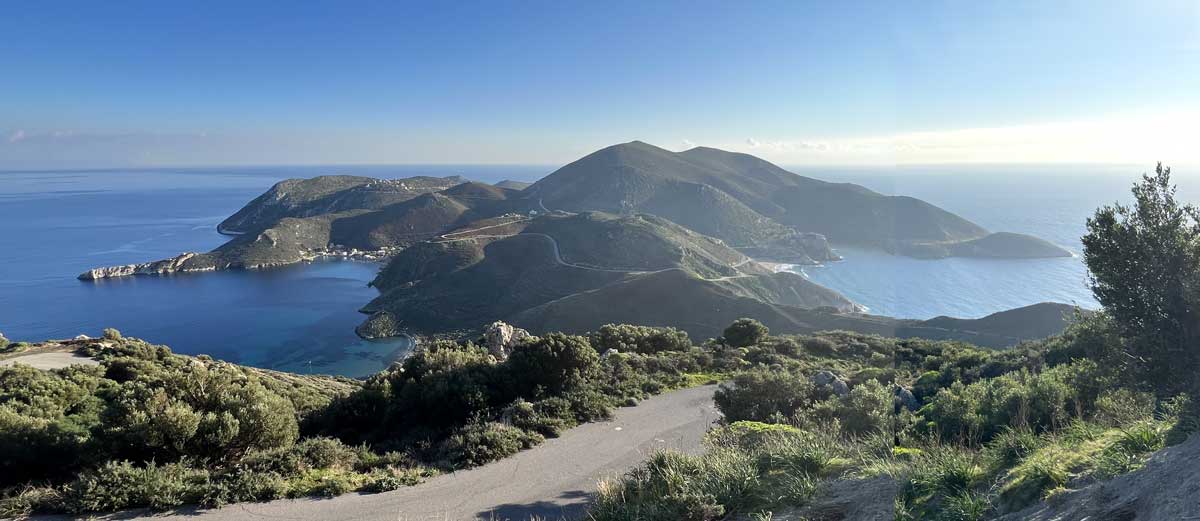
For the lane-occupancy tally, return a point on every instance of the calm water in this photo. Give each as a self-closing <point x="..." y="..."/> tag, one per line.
<point x="300" y="318"/>
<point x="1049" y="202"/>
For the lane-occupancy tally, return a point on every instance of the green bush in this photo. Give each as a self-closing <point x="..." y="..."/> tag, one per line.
<point x="324" y="453"/>
<point x="639" y="339"/>
<point x="240" y="485"/>
<point x="1011" y="446"/>
<point x="121" y="485"/>
<point x="764" y="396"/>
<point x="820" y="346"/>
<point x="388" y="479"/>
<point x="112" y="334"/>
<point x="868" y="408"/>
<point x="480" y="443"/>
<point x="554" y="362"/>
<point x="1123" y="406"/>
<point x="745" y="332"/>
<point x="1039" y="401"/>
<point x="28" y="500"/>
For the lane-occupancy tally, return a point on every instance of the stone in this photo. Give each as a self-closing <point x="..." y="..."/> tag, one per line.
<point x="906" y="398"/>
<point x="82" y="337"/>
<point x="836" y="384"/>
<point x="499" y="338"/>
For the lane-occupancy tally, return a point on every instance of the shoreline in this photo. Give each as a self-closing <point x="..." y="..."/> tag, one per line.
<point x="177" y="264"/>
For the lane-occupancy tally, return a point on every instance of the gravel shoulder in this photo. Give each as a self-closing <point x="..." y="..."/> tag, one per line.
<point x="51" y="360"/>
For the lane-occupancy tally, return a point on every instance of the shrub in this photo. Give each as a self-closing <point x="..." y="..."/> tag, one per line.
<point x="525" y="416"/>
<point x="745" y="332"/>
<point x="868" y="408"/>
<point x="639" y="339"/>
<point x="763" y="396"/>
<point x="967" y="506"/>
<point x="29" y="500"/>
<point x="480" y="443"/>
<point x="1128" y="451"/>
<point x="323" y="453"/>
<point x="388" y="479"/>
<point x="589" y="405"/>
<point x="121" y="485"/>
<point x="946" y="471"/>
<point x="1123" y="406"/>
<point x="820" y="346"/>
<point x="554" y="362"/>
<point x="323" y="482"/>
<point x="240" y="485"/>
<point x="1037" y="475"/>
<point x="1011" y="446"/>
<point x="112" y="334"/>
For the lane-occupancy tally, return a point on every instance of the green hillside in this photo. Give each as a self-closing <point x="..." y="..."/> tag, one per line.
<point x="329" y="194"/>
<point x="747" y="201"/>
<point x="464" y="281"/>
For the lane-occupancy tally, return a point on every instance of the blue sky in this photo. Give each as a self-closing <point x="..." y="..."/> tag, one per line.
<point x="204" y="83"/>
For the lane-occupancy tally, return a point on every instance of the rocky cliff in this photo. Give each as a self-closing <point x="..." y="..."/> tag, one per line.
<point x="161" y="267"/>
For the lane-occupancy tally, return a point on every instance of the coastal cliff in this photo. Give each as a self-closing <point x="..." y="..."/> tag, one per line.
<point x="161" y="267"/>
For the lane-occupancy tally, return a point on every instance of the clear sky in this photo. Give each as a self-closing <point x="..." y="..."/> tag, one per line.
<point x="86" y="84"/>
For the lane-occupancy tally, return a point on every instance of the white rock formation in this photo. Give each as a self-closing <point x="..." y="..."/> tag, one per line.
<point x="500" y="338"/>
<point x="170" y="265"/>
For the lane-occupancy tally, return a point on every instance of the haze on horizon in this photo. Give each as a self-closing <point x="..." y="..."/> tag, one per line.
<point x="163" y="83"/>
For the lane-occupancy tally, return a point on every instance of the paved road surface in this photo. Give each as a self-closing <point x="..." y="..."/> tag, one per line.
<point x="553" y="480"/>
<point x="50" y="360"/>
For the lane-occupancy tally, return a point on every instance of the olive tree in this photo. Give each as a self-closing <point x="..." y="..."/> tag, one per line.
<point x="1144" y="264"/>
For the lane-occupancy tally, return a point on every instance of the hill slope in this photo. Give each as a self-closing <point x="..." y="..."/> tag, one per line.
<point x="328" y="194"/>
<point x="747" y="201"/>
<point x="464" y="281"/>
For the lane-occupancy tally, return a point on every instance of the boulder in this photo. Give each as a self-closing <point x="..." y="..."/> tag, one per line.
<point x="499" y="338"/>
<point x="82" y="337"/>
<point x="833" y="381"/>
<point x="905" y="398"/>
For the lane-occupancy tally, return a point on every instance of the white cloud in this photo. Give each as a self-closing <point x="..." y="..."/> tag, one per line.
<point x="16" y="136"/>
<point x="1143" y="137"/>
<point x="688" y="144"/>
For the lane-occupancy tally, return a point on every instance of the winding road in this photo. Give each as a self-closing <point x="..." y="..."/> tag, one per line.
<point x="552" y="481"/>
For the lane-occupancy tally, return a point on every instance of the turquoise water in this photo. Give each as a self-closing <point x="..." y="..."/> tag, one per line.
<point x="299" y="318"/>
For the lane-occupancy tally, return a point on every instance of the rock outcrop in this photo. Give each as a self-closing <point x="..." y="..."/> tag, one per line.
<point x="1166" y="489"/>
<point x="500" y="338"/>
<point x="905" y="398"/>
<point x="833" y="381"/>
<point x="161" y="267"/>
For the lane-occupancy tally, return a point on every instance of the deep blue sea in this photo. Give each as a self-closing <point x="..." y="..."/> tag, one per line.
<point x="301" y="318"/>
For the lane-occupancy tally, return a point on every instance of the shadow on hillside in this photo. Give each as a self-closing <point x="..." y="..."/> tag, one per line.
<point x="569" y="505"/>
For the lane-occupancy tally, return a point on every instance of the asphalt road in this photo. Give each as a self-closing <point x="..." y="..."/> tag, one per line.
<point x="56" y="360"/>
<point x="552" y="481"/>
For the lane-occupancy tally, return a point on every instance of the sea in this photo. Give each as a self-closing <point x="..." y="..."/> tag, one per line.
<point x="301" y="318"/>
